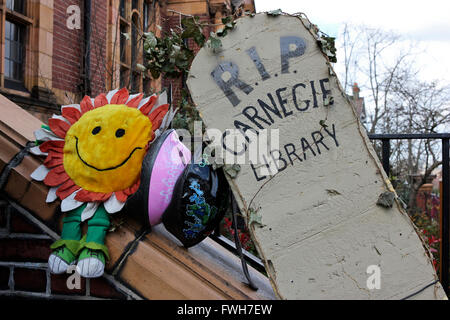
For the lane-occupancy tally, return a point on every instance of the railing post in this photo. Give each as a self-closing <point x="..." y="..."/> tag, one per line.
<point x="445" y="202"/>
<point x="386" y="154"/>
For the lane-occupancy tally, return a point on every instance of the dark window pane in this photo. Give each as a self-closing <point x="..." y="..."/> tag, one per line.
<point x="135" y="4"/>
<point x="123" y="43"/>
<point x="135" y="82"/>
<point x="134" y="34"/>
<point x="122" y="8"/>
<point x="146" y="14"/>
<point x="14" y="51"/>
<point x="7" y="69"/>
<point x="7" y="29"/>
<point x="16" y="5"/>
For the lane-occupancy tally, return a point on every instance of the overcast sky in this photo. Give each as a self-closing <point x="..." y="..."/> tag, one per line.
<point x="426" y="22"/>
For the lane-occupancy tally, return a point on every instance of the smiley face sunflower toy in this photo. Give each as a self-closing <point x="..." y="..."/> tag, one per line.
<point x="94" y="153"/>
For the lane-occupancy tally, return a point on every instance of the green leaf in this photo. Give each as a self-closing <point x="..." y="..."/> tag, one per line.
<point x="275" y="13"/>
<point x="227" y="19"/>
<point x="214" y="43"/>
<point x="322" y="124"/>
<point x="141" y="67"/>
<point x="150" y="40"/>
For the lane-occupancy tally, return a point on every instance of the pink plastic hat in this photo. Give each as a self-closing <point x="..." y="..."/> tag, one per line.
<point x="167" y="158"/>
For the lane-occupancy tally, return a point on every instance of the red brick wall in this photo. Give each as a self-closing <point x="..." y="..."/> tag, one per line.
<point x="68" y="47"/>
<point x="98" y="46"/>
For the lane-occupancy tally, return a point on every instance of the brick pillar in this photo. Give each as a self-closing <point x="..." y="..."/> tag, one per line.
<point x="38" y="74"/>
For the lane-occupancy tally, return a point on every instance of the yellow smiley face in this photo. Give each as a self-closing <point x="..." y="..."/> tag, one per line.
<point x="104" y="149"/>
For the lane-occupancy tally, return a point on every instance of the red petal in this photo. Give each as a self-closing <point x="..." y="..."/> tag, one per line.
<point x="86" y="104"/>
<point x="157" y="116"/>
<point x="121" y="196"/>
<point x="88" y="196"/>
<point x="53" y="159"/>
<point x="66" y="189"/>
<point x="100" y="100"/>
<point x="54" y="145"/>
<point x="55" y="178"/>
<point x="134" y="103"/>
<point x="146" y="108"/>
<point x="59" y="127"/>
<point x="59" y="169"/>
<point x="71" y="114"/>
<point x="120" y="97"/>
<point x="53" y="162"/>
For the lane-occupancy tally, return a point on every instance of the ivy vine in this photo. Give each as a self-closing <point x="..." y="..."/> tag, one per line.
<point x="170" y="53"/>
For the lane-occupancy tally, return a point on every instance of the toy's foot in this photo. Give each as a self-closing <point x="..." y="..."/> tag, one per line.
<point x="91" y="263"/>
<point x="60" y="259"/>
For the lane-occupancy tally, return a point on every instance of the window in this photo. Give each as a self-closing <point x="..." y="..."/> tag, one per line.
<point x="16" y="5"/>
<point x="15" y="43"/>
<point x="146" y="12"/>
<point x="122" y="8"/>
<point x="134" y="15"/>
<point x="14" y="52"/>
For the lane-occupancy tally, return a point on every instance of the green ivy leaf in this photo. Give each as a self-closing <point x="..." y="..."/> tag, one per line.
<point x="214" y="43"/>
<point x="275" y="13"/>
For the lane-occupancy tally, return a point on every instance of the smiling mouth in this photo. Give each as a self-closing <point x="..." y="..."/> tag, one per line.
<point x="106" y="169"/>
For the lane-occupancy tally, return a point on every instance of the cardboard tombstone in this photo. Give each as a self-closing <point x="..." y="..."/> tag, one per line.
<point x="310" y="200"/>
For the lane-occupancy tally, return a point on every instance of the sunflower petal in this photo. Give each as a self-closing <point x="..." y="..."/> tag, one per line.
<point x="112" y="205"/>
<point x="157" y="116"/>
<point x="120" y="97"/>
<point x="134" y="100"/>
<point x="100" y="100"/>
<point x="162" y="99"/>
<point x="60" y="117"/>
<point x="111" y="94"/>
<point x="45" y="135"/>
<point x="145" y="108"/>
<point x="89" y="211"/>
<point x="59" y="127"/>
<point x="55" y="178"/>
<point x="86" y="104"/>
<point x="53" y="159"/>
<point x="121" y="196"/>
<point x="40" y="173"/>
<point x="52" y="145"/>
<point x="74" y="105"/>
<point x="66" y="189"/>
<point x="37" y="151"/>
<point x="70" y="203"/>
<point x="51" y="196"/>
<point x="89" y="196"/>
<point x="71" y="114"/>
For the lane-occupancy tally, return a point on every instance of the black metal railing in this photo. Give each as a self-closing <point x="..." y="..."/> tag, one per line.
<point x="444" y="197"/>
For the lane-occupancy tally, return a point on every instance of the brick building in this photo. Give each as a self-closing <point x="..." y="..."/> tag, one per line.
<point x="52" y="53"/>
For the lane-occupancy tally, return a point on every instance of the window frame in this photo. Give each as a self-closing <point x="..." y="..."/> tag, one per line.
<point x="25" y="22"/>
